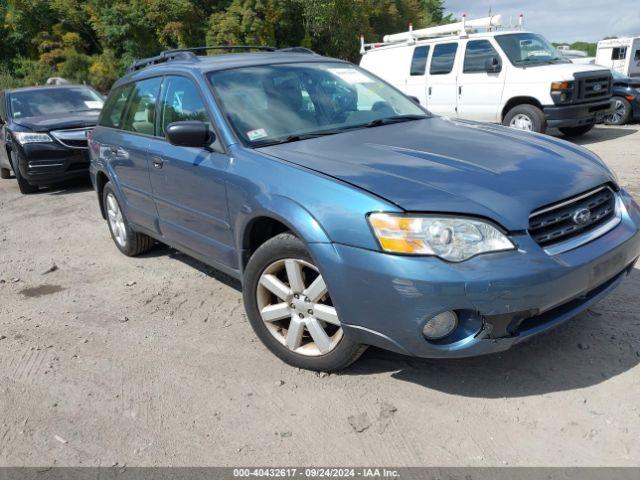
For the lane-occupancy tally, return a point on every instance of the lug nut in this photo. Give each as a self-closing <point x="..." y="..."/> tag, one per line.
<point x="301" y="315"/>
<point x="310" y="312"/>
<point x="292" y="306"/>
<point x="295" y="295"/>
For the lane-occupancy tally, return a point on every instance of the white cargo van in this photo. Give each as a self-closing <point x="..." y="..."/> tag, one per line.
<point x="621" y="55"/>
<point x="512" y="77"/>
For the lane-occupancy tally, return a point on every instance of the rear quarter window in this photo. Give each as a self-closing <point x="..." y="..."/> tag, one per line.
<point x="111" y="115"/>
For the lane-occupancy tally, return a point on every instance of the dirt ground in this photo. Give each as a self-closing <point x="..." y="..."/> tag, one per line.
<point x="151" y="361"/>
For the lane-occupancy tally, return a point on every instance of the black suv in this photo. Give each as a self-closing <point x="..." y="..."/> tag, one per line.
<point x="43" y="133"/>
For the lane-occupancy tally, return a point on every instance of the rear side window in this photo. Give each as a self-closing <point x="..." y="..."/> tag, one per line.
<point x="637" y="55"/>
<point x="180" y="101"/>
<point x="141" y="111"/>
<point x="619" y="53"/>
<point x="419" y="60"/>
<point x="476" y="56"/>
<point x="443" y="58"/>
<point x="111" y="115"/>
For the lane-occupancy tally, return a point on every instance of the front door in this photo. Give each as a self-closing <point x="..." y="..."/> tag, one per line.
<point x="442" y="94"/>
<point x="479" y="90"/>
<point x="189" y="183"/>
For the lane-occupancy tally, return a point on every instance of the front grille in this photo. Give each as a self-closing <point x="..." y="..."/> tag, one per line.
<point x="593" y="86"/>
<point x="73" y="138"/>
<point x="568" y="219"/>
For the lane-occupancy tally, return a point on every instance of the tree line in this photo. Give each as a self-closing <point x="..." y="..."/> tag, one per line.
<point x="94" y="41"/>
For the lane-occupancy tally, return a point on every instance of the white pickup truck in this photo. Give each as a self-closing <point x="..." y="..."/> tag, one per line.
<point x="513" y="77"/>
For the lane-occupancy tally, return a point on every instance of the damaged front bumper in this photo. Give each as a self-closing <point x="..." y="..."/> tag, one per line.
<point x="501" y="298"/>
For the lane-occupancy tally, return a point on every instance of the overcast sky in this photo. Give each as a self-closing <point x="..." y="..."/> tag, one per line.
<point x="561" y="20"/>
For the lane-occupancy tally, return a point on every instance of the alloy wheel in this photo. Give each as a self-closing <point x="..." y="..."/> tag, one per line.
<point x="296" y="307"/>
<point x="619" y="112"/>
<point x="116" y="220"/>
<point x="521" y="122"/>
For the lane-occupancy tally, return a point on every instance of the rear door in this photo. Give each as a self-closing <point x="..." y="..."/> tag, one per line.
<point x="188" y="183"/>
<point x="125" y="149"/>
<point x="416" y="83"/>
<point x="442" y="94"/>
<point x="480" y="91"/>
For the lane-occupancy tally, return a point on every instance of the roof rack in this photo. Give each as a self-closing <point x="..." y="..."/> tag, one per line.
<point x="462" y="29"/>
<point x="190" y="54"/>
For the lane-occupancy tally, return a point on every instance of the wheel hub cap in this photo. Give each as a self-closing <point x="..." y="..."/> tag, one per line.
<point x="521" y="122"/>
<point x="296" y="307"/>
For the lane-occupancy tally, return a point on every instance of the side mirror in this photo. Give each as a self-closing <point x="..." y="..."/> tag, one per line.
<point x="190" y="134"/>
<point x="414" y="99"/>
<point x="493" y="65"/>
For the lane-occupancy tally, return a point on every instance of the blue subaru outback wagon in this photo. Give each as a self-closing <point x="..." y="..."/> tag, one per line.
<point x="351" y="215"/>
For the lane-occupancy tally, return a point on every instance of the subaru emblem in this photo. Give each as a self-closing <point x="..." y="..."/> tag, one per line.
<point x="581" y="216"/>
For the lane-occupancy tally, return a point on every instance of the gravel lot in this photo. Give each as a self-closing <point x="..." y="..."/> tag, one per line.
<point x="151" y="361"/>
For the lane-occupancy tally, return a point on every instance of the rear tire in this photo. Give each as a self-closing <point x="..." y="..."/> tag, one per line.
<point x="128" y="241"/>
<point x="526" y="117"/>
<point x="621" y="113"/>
<point x="576" y="131"/>
<point x="25" y="187"/>
<point x="5" y="173"/>
<point x="299" y="323"/>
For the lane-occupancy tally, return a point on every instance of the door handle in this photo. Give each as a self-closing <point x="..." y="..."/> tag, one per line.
<point x="429" y="90"/>
<point x="460" y="90"/>
<point x="157" y="162"/>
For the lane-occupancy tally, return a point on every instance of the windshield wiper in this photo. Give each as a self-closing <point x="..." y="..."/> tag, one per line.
<point x="296" y="138"/>
<point x="389" y="120"/>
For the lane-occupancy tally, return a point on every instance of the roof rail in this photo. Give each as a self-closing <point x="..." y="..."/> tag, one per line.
<point x="191" y="54"/>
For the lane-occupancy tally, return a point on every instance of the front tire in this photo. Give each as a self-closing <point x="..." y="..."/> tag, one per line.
<point x="526" y="117"/>
<point x="128" y="241"/>
<point x="290" y="309"/>
<point x="576" y="131"/>
<point x="25" y="187"/>
<point x="621" y="112"/>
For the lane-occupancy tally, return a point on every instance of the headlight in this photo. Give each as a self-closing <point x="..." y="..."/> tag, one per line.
<point x="562" y="92"/>
<point x="450" y="238"/>
<point x="30" y="137"/>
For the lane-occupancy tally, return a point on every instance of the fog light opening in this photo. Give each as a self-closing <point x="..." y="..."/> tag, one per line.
<point x="440" y="326"/>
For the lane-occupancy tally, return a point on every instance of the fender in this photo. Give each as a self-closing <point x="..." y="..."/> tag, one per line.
<point x="283" y="209"/>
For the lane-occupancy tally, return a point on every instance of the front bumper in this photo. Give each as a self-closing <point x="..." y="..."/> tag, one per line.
<point x="49" y="163"/>
<point x="502" y="298"/>
<point x="559" y="116"/>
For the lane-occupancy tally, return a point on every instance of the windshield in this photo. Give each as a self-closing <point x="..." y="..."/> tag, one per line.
<point x="617" y="75"/>
<point x="529" y="49"/>
<point x="51" y="101"/>
<point x="276" y="103"/>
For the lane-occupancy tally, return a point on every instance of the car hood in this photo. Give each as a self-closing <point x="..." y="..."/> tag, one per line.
<point x="555" y="71"/>
<point x="46" y="123"/>
<point x="441" y="165"/>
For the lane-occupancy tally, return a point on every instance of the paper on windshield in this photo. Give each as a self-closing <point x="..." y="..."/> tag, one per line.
<point x="93" y="104"/>
<point x="351" y="75"/>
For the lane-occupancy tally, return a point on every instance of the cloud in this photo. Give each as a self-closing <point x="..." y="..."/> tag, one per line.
<point x="560" y="20"/>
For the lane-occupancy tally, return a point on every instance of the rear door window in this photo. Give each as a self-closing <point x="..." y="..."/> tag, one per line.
<point x="181" y="101"/>
<point x="443" y="58"/>
<point x="419" y="60"/>
<point x="141" y="111"/>
<point x="111" y="115"/>
<point x="476" y="56"/>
